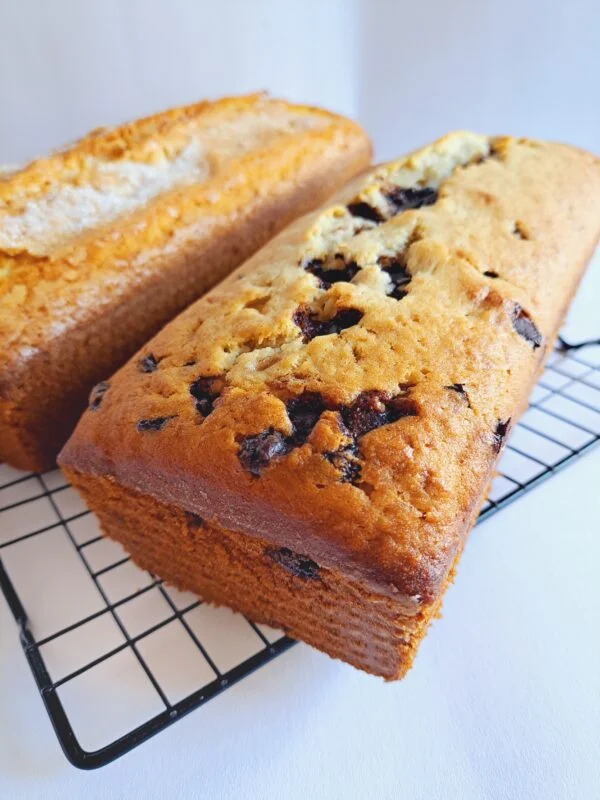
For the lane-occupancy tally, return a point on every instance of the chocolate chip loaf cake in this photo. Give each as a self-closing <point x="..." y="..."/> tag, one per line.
<point x="310" y="442"/>
<point x="104" y="242"/>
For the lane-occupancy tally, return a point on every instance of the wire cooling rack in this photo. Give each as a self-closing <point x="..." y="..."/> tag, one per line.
<point x="117" y="656"/>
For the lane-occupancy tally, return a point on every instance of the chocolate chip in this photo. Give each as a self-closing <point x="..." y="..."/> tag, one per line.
<point x="204" y="391"/>
<point x="327" y="277"/>
<point x="346" y="461"/>
<point x="304" y="412"/>
<point x="256" y="452"/>
<point x="491" y="274"/>
<point x="97" y="394"/>
<point x="308" y="323"/>
<point x="299" y="566"/>
<point x="193" y="520"/>
<point x="154" y="424"/>
<point x="373" y="409"/>
<point x="398" y="273"/>
<point x="147" y="363"/>
<point x="500" y="434"/>
<point x="398" y="293"/>
<point x="365" y="211"/>
<point x="460" y="389"/>
<point x="311" y="326"/>
<point x="404" y="199"/>
<point x="525" y="327"/>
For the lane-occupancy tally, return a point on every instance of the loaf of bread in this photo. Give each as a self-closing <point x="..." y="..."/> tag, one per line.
<point x="104" y="242"/>
<point x="310" y="442"/>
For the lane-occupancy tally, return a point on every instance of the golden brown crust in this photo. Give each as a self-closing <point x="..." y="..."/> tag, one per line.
<point x="322" y="607"/>
<point x="169" y="206"/>
<point x="367" y="450"/>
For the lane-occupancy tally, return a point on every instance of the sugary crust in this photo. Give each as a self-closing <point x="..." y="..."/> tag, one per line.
<point x="78" y="298"/>
<point x="489" y="261"/>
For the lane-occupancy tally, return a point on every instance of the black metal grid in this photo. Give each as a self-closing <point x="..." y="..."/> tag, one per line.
<point x="562" y="422"/>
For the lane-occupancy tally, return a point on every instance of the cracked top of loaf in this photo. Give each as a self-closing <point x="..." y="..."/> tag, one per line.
<point x="86" y="223"/>
<point x="346" y="392"/>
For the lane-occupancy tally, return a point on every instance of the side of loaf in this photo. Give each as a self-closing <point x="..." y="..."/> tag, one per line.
<point x="314" y="438"/>
<point x="104" y="242"/>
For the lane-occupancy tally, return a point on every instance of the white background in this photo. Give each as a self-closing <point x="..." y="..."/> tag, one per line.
<point x="504" y="699"/>
<point x="409" y="71"/>
<point x="67" y="66"/>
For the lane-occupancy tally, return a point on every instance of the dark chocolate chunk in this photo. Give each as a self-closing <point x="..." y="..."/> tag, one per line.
<point x="491" y="274"/>
<point x="204" y="392"/>
<point x="307" y="322"/>
<point x="404" y="199"/>
<point x="365" y="211"/>
<point x="193" y="520"/>
<point x="97" y="394"/>
<point x="256" y="452"/>
<point x="299" y="566"/>
<point x="500" y="434"/>
<point x="154" y="423"/>
<point x="304" y="412"/>
<point x="346" y="461"/>
<point x="327" y="277"/>
<point x="373" y="409"/>
<point x="460" y="389"/>
<point x="311" y="326"/>
<point x="147" y="363"/>
<point x="525" y="327"/>
<point x="399" y="275"/>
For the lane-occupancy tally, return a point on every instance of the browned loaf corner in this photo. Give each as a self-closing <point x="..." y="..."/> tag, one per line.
<point x="104" y="242"/>
<point x="311" y="441"/>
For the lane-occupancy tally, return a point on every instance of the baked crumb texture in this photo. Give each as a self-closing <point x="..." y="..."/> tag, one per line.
<point x="310" y="442"/>
<point x="105" y="241"/>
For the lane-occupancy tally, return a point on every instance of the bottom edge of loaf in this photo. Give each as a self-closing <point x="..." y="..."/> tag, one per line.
<point x="321" y="607"/>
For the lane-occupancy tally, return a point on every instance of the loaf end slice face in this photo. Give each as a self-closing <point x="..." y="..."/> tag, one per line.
<point x="104" y="242"/>
<point x="310" y="442"/>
